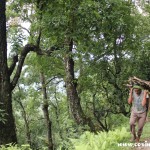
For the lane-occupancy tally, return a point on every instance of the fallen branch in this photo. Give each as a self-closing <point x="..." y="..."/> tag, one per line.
<point x="143" y="83"/>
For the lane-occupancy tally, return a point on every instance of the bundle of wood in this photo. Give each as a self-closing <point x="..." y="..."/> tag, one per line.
<point x="142" y="83"/>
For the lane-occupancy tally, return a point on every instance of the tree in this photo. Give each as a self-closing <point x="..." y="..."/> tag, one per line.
<point x="7" y="128"/>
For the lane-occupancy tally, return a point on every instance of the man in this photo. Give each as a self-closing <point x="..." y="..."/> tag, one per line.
<point x="137" y="98"/>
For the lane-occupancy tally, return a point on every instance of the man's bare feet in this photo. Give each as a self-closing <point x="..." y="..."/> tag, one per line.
<point x="138" y="139"/>
<point x="133" y="139"/>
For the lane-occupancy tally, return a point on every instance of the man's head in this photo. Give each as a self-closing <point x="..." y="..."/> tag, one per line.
<point x="137" y="89"/>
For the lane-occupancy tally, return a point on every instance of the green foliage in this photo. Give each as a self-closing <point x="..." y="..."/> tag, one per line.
<point x="15" y="147"/>
<point x="16" y="39"/>
<point x="146" y="130"/>
<point x="117" y="121"/>
<point x="101" y="141"/>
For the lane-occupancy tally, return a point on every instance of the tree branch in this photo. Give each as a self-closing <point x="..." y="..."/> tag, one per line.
<point x="21" y="27"/>
<point x="143" y="83"/>
<point x="25" y="51"/>
<point x="15" y="60"/>
<point x="24" y="29"/>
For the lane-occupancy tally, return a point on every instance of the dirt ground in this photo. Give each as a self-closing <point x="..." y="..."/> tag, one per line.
<point x="142" y="145"/>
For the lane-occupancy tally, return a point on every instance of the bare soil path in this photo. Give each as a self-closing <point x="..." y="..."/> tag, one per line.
<point x="142" y="145"/>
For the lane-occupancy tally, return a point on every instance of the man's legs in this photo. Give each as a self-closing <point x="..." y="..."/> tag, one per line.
<point x="141" y="122"/>
<point x="147" y="108"/>
<point x="133" y="119"/>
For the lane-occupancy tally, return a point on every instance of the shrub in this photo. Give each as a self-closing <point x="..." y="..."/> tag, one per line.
<point x="14" y="147"/>
<point x="101" y="140"/>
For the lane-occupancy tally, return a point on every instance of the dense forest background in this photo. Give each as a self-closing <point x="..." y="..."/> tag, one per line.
<point x="69" y="61"/>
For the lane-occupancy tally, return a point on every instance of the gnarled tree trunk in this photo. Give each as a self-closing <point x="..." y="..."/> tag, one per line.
<point x="7" y="129"/>
<point x="72" y="94"/>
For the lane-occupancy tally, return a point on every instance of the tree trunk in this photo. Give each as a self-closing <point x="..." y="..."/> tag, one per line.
<point x="46" y="114"/>
<point x="7" y="129"/>
<point x="24" y="115"/>
<point x="71" y="88"/>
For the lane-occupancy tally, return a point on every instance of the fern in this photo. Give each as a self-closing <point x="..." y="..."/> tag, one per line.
<point x="101" y="140"/>
<point x="15" y="147"/>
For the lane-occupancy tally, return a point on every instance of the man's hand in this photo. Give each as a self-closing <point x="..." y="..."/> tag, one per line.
<point x="130" y="99"/>
<point x="144" y="98"/>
